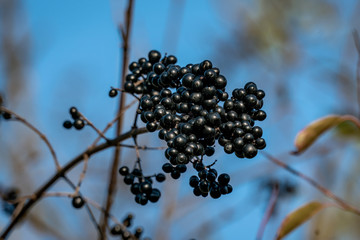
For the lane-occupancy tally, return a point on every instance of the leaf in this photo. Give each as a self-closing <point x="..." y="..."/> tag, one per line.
<point x="311" y="132"/>
<point x="298" y="217"/>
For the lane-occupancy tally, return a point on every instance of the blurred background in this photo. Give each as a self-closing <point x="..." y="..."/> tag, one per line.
<point x="57" y="54"/>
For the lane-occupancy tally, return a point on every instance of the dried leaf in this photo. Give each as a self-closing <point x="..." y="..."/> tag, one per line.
<point x="298" y="217"/>
<point x="310" y="133"/>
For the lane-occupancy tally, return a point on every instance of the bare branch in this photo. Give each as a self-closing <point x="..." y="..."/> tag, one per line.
<point x="342" y="203"/>
<point x="59" y="174"/>
<point x="125" y="34"/>
<point x="41" y="135"/>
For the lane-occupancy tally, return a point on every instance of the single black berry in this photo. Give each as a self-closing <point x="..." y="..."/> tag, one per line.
<point x="113" y="93"/>
<point x="67" y="124"/>
<point x="78" y="202"/>
<point x="124" y="171"/>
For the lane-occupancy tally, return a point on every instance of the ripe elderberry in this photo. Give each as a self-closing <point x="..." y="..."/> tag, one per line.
<point x="78" y="202"/>
<point x="194" y="112"/>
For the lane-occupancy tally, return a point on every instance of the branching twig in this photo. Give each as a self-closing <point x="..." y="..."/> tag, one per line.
<point x="59" y="174"/>
<point x="342" y="203"/>
<point x="101" y="134"/>
<point x="108" y="126"/>
<point x="41" y="135"/>
<point x="91" y="214"/>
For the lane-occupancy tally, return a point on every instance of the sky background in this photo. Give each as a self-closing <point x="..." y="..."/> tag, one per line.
<point x="301" y="53"/>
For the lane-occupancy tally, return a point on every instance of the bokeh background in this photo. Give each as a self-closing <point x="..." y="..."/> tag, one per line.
<point x="57" y="54"/>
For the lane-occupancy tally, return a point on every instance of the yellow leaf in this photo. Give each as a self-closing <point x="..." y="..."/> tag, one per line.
<point x="298" y="217"/>
<point x="310" y="133"/>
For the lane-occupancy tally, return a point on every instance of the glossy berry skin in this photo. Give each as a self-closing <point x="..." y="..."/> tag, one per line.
<point x="113" y="93"/>
<point x="67" y="124"/>
<point x="160" y="177"/>
<point x="175" y="174"/>
<point x="154" y="56"/>
<point x="194" y="181"/>
<point x="145" y="187"/>
<point x="129" y="179"/>
<point x="167" y="167"/>
<point x="249" y="151"/>
<point x="155" y="195"/>
<point x="141" y="198"/>
<point x="124" y="171"/>
<point x="204" y="186"/>
<point x="79" y="124"/>
<point x="74" y="112"/>
<point x="78" y="202"/>
<point x="193" y="112"/>
<point x="223" y="179"/>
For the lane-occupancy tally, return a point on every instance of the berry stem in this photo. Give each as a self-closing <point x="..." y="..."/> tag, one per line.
<point x="109" y="125"/>
<point x="101" y="134"/>
<point x="342" y="203"/>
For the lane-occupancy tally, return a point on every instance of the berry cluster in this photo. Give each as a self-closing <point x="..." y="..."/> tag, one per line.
<point x="206" y="183"/>
<point x="122" y="230"/>
<point x="192" y="109"/>
<point x="175" y="171"/>
<point x="141" y="186"/>
<point x="78" y="122"/>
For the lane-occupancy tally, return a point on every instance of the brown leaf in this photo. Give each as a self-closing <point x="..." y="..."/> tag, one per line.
<point x="298" y="217"/>
<point x="311" y="132"/>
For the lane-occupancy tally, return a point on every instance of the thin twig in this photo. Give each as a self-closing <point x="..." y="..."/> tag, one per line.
<point x="59" y="174"/>
<point x="269" y="211"/>
<point x="82" y="175"/>
<point x="115" y="164"/>
<point x="41" y="135"/>
<point x="357" y="45"/>
<point x="108" y="126"/>
<point x="141" y="147"/>
<point x="138" y="160"/>
<point x="91" y="214"/>
<point x="93" y="126"/>
<point x="342" y="203"/>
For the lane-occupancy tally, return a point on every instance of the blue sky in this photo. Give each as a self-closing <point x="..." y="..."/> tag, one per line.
<point x="75" y="58"/>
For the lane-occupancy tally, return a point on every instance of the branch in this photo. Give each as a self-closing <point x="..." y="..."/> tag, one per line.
<point x="41" y="135"/>
<point x="342" y="203"/>
<point x="59" y="174"/>
<point x="115" y="164"/>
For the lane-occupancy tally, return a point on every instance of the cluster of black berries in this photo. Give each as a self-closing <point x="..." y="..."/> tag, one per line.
<point x="192" y="109"/>
<point x="175" y="171"/>
<point x="78" y="122"/>
<point x="141" y="186"/>
<point x="122" y="230"/>
<point x="206" y="183"/>
<point x="8" y="196"/>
